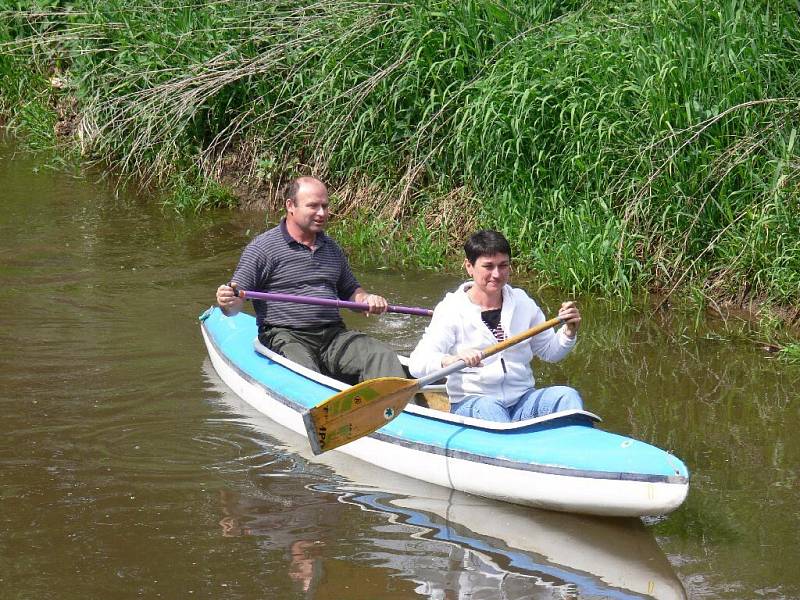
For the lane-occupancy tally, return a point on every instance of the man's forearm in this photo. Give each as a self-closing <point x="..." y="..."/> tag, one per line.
<point x="360" y="295"/>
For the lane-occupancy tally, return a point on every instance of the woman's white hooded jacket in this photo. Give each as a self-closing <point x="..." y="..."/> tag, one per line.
<point x="456" y="325"/>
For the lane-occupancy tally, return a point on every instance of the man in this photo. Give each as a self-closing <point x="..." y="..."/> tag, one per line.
<point x="297" y="257"/>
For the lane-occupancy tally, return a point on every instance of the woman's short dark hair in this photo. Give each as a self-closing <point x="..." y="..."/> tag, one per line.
<point x="486" y="243"/>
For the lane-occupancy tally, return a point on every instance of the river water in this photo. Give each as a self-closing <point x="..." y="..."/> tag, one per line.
<point x="128" y="470"/>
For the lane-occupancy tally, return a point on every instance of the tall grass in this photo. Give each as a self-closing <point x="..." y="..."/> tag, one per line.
<point x="620" y="146"/>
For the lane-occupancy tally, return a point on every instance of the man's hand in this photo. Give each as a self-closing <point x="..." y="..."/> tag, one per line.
<point x="377" y="304"/>
<point x="227" y="299"/>
<point x="571" y="316"/>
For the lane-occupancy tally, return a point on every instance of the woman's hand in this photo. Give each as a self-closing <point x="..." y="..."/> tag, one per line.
<point x="470" y="356"/>
<point x="571" y="317"/>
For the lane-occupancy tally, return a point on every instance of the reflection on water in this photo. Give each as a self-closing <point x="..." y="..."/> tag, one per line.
<point x="491" y="549"/>
<point x="509" y="549"/>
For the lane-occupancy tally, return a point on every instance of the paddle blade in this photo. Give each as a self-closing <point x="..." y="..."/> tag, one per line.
<point x="357" y="411"/>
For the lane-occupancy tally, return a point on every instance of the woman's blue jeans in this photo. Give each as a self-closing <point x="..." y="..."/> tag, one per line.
<point x="535" y="403"/>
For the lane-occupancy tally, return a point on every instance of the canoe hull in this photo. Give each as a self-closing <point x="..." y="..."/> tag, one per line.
<point x="424" y="447"/>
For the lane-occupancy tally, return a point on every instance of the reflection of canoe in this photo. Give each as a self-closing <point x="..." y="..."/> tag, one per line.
<point x="561" y="463"/>
<point x="618" y="551"/>
<point x="601" y="557"/>
<point x="604" y="557"/>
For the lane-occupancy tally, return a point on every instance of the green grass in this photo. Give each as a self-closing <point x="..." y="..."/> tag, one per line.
<point x="790" y="353"/>
<point x="195" y="193"/>
<point x="622" y="147"/>
<point x="378" y="242"/>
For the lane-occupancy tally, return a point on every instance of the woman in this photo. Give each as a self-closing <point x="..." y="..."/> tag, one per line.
<point x="480" y="313"/>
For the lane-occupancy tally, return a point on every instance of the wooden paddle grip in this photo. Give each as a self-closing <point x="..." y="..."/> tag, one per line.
<point x="520" y="337"/>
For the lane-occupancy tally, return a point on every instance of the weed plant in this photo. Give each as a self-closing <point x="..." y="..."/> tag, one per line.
<point x="621" y="146"/>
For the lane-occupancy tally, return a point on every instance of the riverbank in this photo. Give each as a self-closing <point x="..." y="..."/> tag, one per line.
<point x="622" y="147"/>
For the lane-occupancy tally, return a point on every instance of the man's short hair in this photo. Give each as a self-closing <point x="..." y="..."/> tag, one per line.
<point x="486" y="243"/>
<point x="291" y="189"/>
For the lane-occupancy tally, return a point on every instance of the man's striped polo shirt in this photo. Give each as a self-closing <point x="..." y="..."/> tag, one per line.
<point x="275" y="262"/>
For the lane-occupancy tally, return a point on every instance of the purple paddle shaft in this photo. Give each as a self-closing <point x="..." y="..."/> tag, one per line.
<point x="407" y="310"/>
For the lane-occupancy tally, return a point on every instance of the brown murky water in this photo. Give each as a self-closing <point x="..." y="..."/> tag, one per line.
<point x="128" y="470"/>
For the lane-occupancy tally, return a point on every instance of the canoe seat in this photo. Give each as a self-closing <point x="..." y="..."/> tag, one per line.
<point x="434" y="400"/>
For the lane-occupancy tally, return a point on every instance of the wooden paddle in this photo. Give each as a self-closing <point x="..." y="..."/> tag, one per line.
<point x="363" y="408"/>
<point x="275" y="297"/>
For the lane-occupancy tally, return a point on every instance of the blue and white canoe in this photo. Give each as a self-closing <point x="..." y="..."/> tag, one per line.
<point x="559" y="462"/>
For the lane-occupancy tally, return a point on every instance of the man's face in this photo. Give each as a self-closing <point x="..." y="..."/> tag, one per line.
<point x="310" y="212"/>
<point x="490" y="273"/>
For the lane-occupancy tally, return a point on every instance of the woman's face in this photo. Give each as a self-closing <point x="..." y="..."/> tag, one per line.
<point x="490" y="273"/>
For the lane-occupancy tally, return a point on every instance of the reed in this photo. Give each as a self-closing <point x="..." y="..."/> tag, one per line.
<point x="791" y="353"/>
<point x="621" y="146"/>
